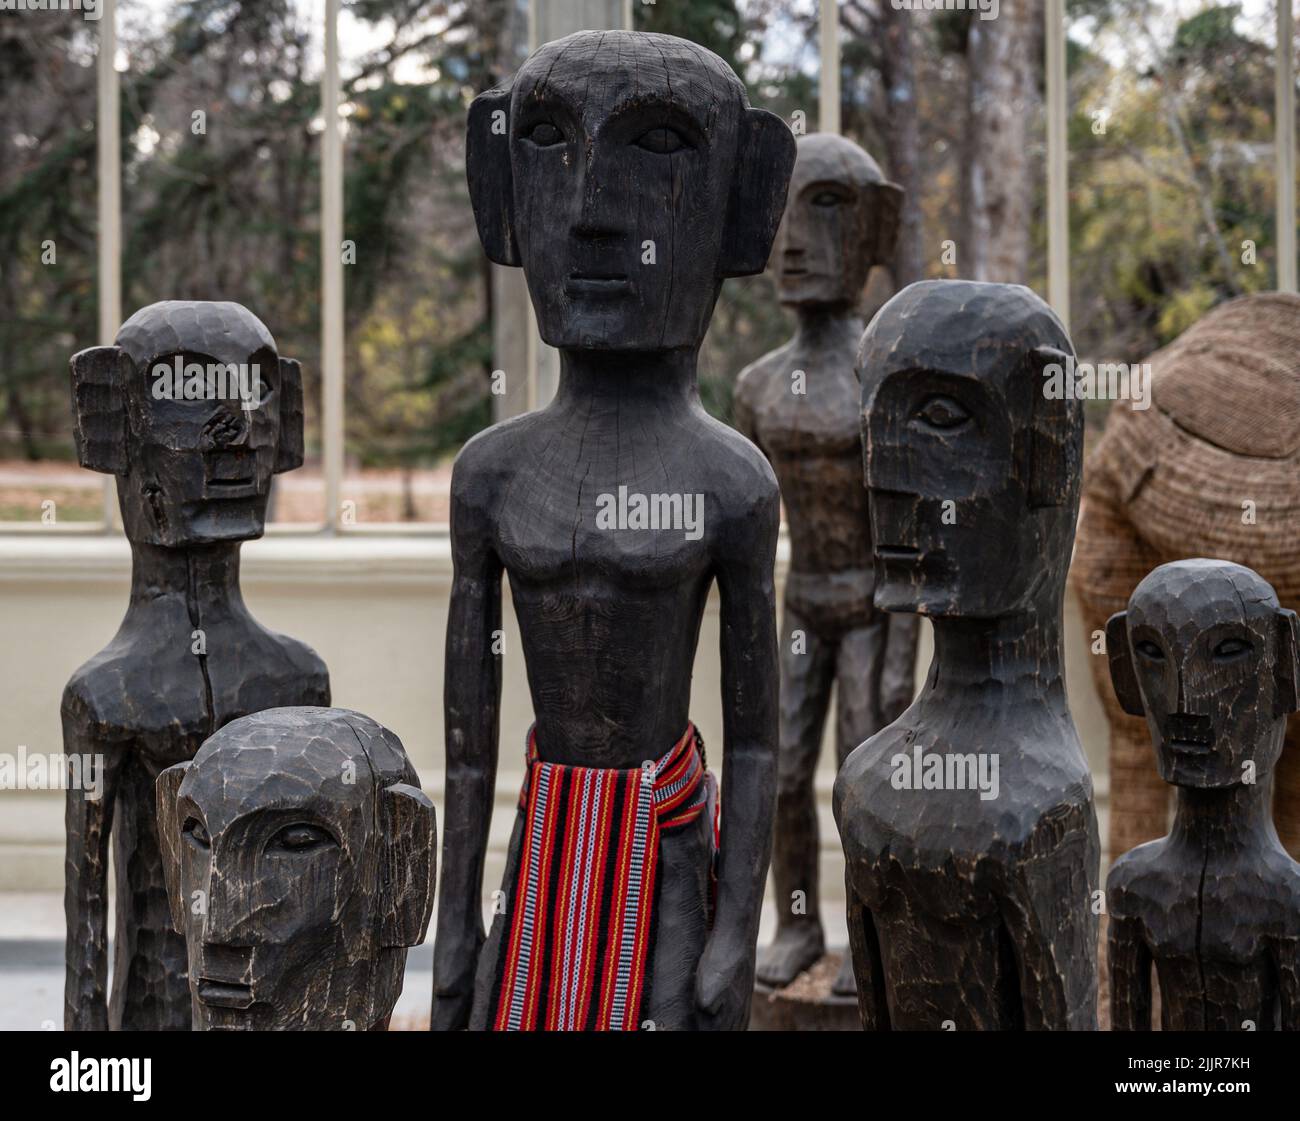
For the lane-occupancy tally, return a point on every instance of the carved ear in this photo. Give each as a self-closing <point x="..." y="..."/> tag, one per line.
<point x="1120" y="657"/>
<point x="1288" y="661"/>
<point x="288" y="452"/>
<point x="764" y="160"/>
<point x="99" y="378"/>
<point x="885" y="211"/>
<point x="487" y="168"/>
<point x="1054" y="451"/>
<point x="410" y="865"/>
<point x="169" y="840"/>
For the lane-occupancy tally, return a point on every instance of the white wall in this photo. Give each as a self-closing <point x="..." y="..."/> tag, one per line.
<point x="375" y="608"/>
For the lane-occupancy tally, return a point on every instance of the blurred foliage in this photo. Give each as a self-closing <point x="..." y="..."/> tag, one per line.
<point x="1170" y="136"/>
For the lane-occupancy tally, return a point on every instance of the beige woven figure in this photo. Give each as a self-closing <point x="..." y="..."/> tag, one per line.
<point x="1211" y="469"/>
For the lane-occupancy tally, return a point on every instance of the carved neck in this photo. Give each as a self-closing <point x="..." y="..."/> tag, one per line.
<point x="1223" y="818"/>
<point x="1020" y="654"/>
<point x="657" y="380"/>
<point x="206" y="575"/>
<point x="826" y="325"/>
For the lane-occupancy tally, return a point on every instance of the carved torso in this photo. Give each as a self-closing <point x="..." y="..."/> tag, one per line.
<point x="813" y="441"/>
<point x="934" y="862"/>
<point x="593" y="602"/>
<point x="146" y="702"/>
<point x="1219" y="926"/>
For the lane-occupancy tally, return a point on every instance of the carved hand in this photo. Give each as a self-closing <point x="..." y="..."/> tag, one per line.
<point x="724" y="984"/>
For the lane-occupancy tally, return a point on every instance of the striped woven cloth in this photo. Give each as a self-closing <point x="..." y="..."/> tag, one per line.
<point x="581" y="912"/>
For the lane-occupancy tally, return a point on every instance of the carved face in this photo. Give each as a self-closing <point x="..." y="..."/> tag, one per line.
<point x="280" y="838"/>
<point x="1211" y="657"/>
<point x="201" y="469"/>
<point x="194" y="453"/>
<point x="972" y="475"/>
<point x="840" y="219"/>
<point x="625" y="172"/>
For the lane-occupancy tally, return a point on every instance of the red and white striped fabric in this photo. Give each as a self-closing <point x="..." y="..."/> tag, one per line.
<point x="581" y="910"/>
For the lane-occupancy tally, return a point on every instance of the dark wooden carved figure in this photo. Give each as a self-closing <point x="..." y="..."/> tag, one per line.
<point x="300" y="856"/>
<point x="193" y="476"/>
<point x="1207" y="655"/>
<point x="627" y="175"/>
<point x="800" y="405"/>
<point x="968" y="824"/>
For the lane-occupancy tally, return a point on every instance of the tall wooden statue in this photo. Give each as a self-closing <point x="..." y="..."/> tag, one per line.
<point x="800" y="405"/>
<point x="968" y="824"/>
<point x="193" y="411"/>
<point x="299" y="852"/>
<point x="627" y="175"/>
<point x="1206" y="654"/>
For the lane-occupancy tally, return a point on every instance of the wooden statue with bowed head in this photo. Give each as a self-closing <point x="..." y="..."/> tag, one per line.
<point x="800" y="405"/>
<point x="193" y="477"/>
<point x="300" y="859"/>
<point x="1207" y="655"/>
<point x="627" y="174"/>
<point x="968" y="824"/>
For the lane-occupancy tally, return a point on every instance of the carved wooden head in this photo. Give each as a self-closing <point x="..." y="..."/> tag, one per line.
<point x="841" y="218"/>
<point x="627" y="174"/>
<point x="299" y="855"/>
<point x="192" y="410"/>
<point x="1206" y="653"/>
<point x="972" y="470"/>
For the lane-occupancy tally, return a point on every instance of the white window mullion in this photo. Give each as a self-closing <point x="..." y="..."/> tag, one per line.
<point x="828" y="93"/>
<point x="331" y="248"/>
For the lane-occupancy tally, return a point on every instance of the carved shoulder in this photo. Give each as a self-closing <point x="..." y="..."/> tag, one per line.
<point x="758" y="375"/>
<point x="123" y="694"/>
<point x="1136" y="877"/>
<point x="740" y="477"/>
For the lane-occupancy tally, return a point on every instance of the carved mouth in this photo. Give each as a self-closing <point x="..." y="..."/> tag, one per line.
<point x="230" y="471"/>
<point x="225" y="994"/>
<point x="592" y="284"/>
<point x="897" y="552"/>
<point x="1187" y="732"/>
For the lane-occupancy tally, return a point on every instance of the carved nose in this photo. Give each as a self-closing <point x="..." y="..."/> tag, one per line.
<point x="226" y="429"/>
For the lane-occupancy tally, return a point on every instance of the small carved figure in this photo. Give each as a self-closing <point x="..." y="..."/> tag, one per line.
<point x="300" y="860"/>
<point x="968" y="824"/>
<point x="193" y="411"/>
<point x="799" y="404"/>
<point x="627" y="174"/>
<point x="1208" y="656"/>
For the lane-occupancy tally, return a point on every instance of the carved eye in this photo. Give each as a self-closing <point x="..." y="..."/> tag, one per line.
<point x="1149" y="649"/>
<point x="1231" y="648"/>
<point x="301" y="838"/>
<point x="661" y="141"/>
<point x="545" y="135"/>
<point x="942" y="412"/>
<point x="826" y="198"/>
<point x="193" y="829"/>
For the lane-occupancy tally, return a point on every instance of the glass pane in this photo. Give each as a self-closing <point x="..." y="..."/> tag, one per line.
<point x="1171" y="168"/>
<point x="419" y="342"/>
<point x="221" y="191"/>
<point x="48" y="264"/>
